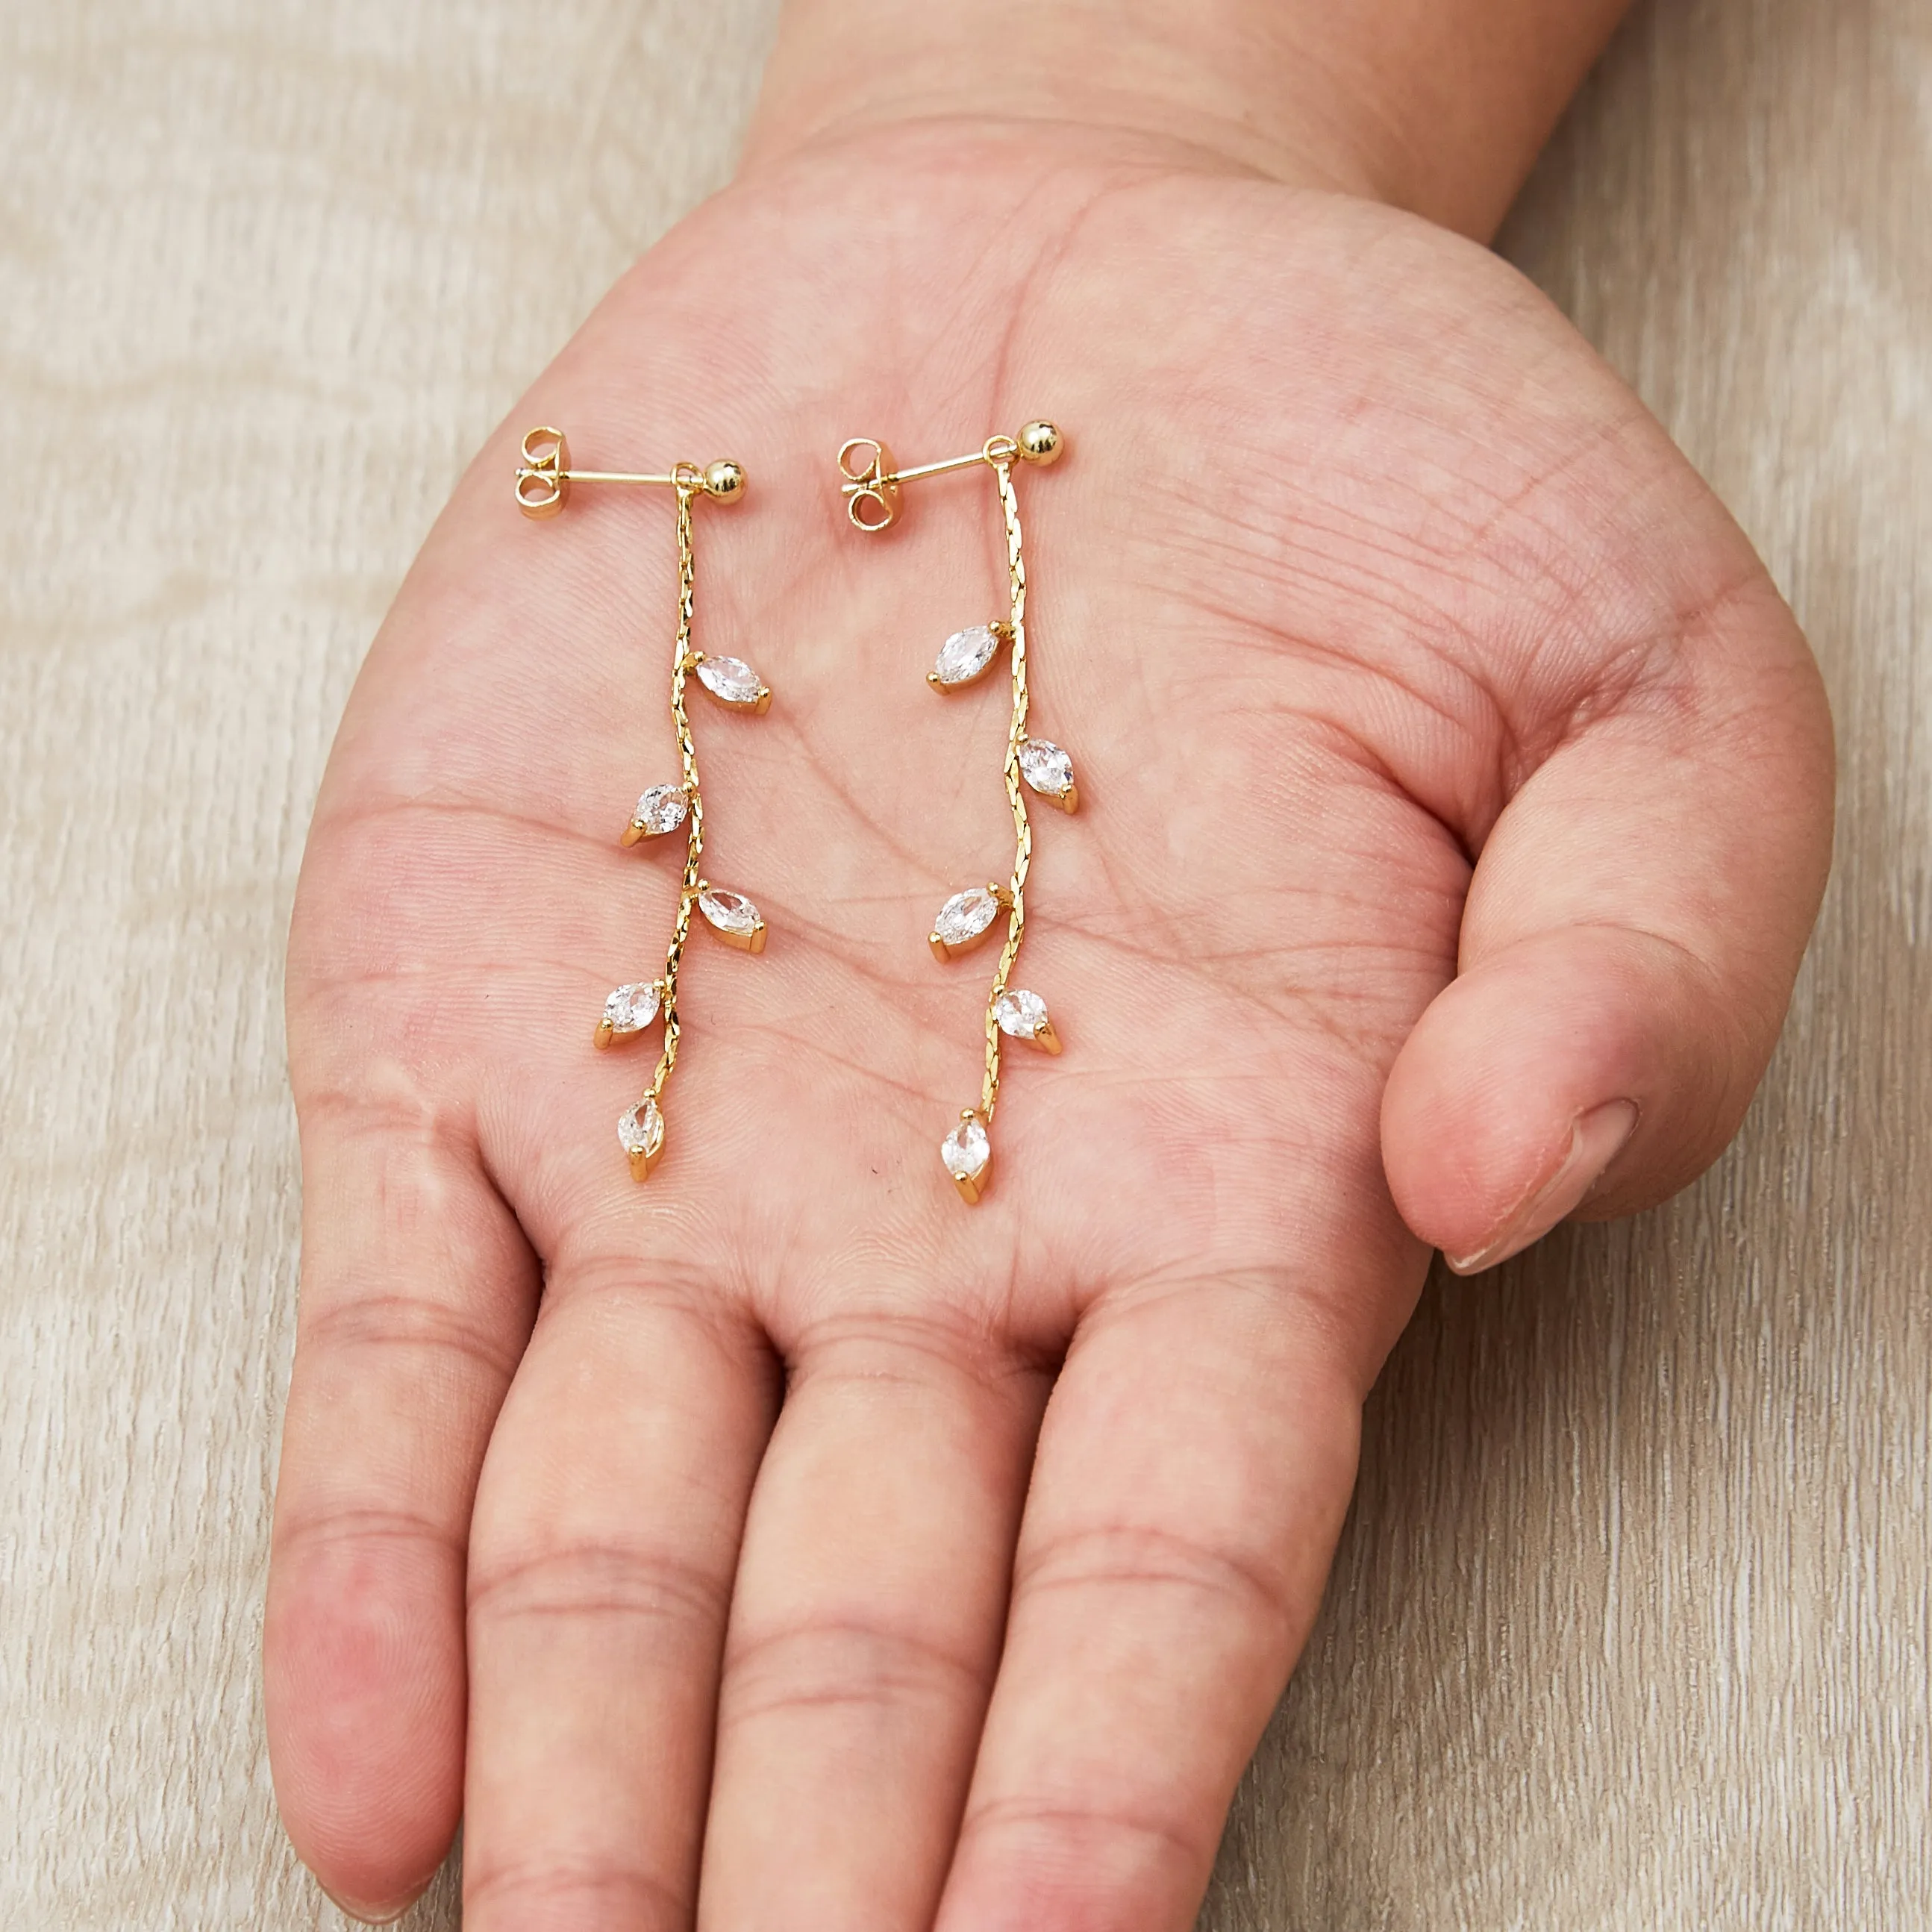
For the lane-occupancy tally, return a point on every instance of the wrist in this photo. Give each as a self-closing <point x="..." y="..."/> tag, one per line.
<point x="1437" y="106"/>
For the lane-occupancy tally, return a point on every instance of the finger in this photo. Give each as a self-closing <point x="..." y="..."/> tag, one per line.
<point x="865" y="1626"/>
<point x="606" y="1535"/>
<point x="417" y="1290"/>
<point x="1633" y="927"/>
<point x="1193" y="1468"/>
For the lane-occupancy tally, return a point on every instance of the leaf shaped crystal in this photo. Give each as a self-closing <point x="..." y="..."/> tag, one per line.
<point x="641" y="1131"/>
<point x="662" y="809"/>
<point x="964" y="654"/>
<point x="1046" y="767"/>
<point x="967" y="1149"/>
<point x="1020" y="1014"/>
<point x="631" y="1008"/>
<point x="730" y="913"/>
<point x="965" y="916"/>
<point x="732" y="681"/>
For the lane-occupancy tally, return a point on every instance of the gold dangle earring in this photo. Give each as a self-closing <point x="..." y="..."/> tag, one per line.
<point x="872" y="488"/>
<point x="544" y="481"/>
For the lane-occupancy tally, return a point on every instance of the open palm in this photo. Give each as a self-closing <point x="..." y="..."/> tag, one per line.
<point x="782" y="1541"/>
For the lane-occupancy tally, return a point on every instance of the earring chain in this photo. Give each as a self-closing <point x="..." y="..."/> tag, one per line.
<point x="687" y="751"/>
<point x="1016" y="732"/>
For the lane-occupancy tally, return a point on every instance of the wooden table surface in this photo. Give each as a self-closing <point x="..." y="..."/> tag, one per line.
<point x="1629" y="1626"/>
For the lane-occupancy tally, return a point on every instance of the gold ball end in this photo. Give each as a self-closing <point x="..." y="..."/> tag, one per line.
<point x="724" y="480"/>
<point x="1041" y="442"/>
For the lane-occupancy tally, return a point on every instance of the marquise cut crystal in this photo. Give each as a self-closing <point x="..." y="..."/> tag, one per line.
<point x="1046" y="767"/>
<point x="965" y="654"/>
<point x="642" y="1129"/>
<point x="660" y="809"/>
<point x="965" y="916"/>
<point x="631" y="1008"/>
<point x="966" y="1151"/>
<point x="728" y="912"/>
<point x="731" y="680"/>
<point x="1020" y="1014"/>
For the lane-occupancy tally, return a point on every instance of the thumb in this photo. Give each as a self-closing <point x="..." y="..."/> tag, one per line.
<point x="1633" y="929"/>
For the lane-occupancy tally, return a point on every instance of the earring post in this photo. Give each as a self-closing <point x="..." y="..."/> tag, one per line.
<point x="876" y="488"/>
<point x="599" y="476"/>
<point x="936" y="469"/>
<point x="545" y="476"/>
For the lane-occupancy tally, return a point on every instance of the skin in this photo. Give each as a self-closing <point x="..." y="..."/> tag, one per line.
<point x="782" y="1543"/>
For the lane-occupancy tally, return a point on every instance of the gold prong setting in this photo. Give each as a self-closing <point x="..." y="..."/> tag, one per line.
<point x="1048" y="771"/>
<point x="966" y="656"/>
<point x="732" y="917"/>
<point x="640" y="1133"/>
<point x="1023" y="1016"/>
<point x="629" y="1010"/>
<point x="966" y="918"/>
<point x="967" y="1153"/>
<point x="733" y="683"/>
<point x="662" y="809"/>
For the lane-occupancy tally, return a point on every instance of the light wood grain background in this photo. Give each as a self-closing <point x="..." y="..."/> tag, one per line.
<point x="1629" y="1628"/>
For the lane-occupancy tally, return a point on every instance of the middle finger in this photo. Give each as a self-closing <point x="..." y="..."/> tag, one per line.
<point x="866" y="1624"/>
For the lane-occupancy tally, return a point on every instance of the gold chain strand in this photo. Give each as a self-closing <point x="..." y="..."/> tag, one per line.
<point x="687" y="750"/>
<point x="1009" y="505"/>
<point x="544" y="479"/>
<point x="872" y="485"/>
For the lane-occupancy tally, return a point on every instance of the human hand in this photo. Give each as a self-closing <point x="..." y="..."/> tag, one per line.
<point x="781" y="1541"/>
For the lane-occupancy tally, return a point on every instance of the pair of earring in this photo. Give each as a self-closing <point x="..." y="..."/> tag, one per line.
<point x="871" y="485"/>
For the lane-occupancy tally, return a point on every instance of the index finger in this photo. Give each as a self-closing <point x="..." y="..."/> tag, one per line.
<point x="417" y="1290"/>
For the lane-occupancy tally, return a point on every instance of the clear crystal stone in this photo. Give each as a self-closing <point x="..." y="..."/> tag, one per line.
<point x="1046" y="767"/>
<point x="1020" y="1014"/>
<point x="730" y="679"/>
<point x="642" y="1129"/>
<point x="966" y="915"/>
<point x="662" y="809"/>
<point x="729" y="912"/>
<point x="965" y="654"/>
<point x="630" y="1009"/>
<point x="966" y="1151"/>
